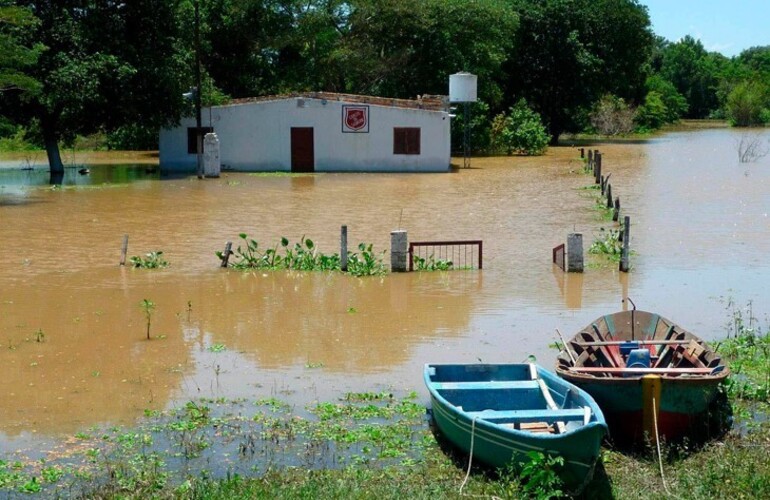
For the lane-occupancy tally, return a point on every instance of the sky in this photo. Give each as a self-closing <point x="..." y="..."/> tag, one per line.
<point x="726" y="26"/>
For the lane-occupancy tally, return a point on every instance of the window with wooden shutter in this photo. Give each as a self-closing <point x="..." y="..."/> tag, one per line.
<point x="406" y="141"/>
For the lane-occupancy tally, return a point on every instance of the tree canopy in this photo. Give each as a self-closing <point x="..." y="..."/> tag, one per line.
<point x="81" y="66"/>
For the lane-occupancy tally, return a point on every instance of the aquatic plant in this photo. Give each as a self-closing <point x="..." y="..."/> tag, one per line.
<point x="430" y="263"/>
<point x="152" y="260"/>
<point x="367" y="263"/>
<point x="747" y="349"/>
<point x="302" y="256"/>
<point x="148" y="307"/>
<point x="607" y="243"/>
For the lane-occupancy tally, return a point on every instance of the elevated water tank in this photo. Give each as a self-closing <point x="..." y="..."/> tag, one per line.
<point x="462" y="87"/>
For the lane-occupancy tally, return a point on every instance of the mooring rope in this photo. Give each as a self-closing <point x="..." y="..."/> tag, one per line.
<point x="470" y="457"/>
<point x="657" y="442"/>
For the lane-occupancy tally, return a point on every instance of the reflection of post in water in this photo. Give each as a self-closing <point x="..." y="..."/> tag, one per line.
<point x="571" y="287"/>
<point x="302" y="182"/>
<point x="573" y="293"/>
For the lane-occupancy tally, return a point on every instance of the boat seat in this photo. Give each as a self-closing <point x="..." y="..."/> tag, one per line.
<point x="498" y="384"/>
<point x="520" y="416"/>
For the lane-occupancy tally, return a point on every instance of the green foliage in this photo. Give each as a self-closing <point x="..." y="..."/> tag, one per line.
<point x="17" y="52"/>
<point x="747" y="103"/>
<point x="430" y="263"/>
<point x="367" y="263"/>
<point x="566" y="56"/>
<point x="607" y="243"/>
<point x="747" y="350"/>
<point x="520" y="131"/>
<point x="303" y="256"/>
<point x="540" y="476"/>
<point x="148" y="307"/>
<point x="695" y="73"/>
<point x="675" y="103"/>
<point x="152" y="260"/>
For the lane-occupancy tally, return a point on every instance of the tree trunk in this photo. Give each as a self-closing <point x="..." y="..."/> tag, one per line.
<point x="52" y="150"/>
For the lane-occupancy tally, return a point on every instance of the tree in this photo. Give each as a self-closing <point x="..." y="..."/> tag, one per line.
<point x="106" y="63"/>
<point x="404" y="48"/>
<point x="695" y="73"/>
<point x="567" y="53"/>
<point x="520" y="131"/>
<point x="746" y="103"/>
<point x="17" y="56"/>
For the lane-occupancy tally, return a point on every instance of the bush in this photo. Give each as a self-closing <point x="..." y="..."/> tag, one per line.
<point x="521" y="131"/>
<point x="746" y="102"/>
<point x="652" y="114"/>
<point x="612" y="116"/>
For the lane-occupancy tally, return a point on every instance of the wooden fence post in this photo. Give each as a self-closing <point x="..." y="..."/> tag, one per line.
<point x="616" y="211"/>
<point x="124" y="250"/>
<point x="344" y="249"/>
<point x="624" y="264"/>
<point x="609" y="195"/>
<point x="582" y="153"/>
<point x="227" y="253"/>
<point x="598" y="161"/>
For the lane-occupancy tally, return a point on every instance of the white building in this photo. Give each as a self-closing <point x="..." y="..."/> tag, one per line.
<point x="318" y="132"/>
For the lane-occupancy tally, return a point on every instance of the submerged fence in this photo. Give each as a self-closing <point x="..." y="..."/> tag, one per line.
<point x="463" y="254"/>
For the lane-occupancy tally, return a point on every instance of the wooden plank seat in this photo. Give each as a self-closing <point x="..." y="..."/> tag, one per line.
<point x="523" y="416"/>
<point x="641" y="371"/>
<point x="497" y="384"/>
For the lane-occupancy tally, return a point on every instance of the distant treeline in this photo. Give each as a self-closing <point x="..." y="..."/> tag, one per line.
<point x="82" y="67"/>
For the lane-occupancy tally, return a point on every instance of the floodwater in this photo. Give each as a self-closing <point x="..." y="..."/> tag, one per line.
<point x="73" y="345"/>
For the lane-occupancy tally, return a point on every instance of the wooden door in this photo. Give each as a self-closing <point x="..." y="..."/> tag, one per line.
<point x="302" y="152"/>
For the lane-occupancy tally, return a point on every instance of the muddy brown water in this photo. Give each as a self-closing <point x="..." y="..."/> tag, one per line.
<point x="700" y="234"/>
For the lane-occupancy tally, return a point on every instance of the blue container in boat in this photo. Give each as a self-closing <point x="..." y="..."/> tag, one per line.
<point x="638" y="358"/>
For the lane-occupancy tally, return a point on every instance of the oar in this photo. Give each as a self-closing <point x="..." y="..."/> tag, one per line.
<point x="566" y="348"/>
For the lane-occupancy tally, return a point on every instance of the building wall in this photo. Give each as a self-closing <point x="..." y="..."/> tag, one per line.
<point x="257" y="137"/>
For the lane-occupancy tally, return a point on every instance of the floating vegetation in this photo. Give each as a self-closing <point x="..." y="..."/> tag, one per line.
<point x="303" y="256"/>
<point x="608" y="243"/>
<point x="217" y="348"/>
<point x="152" y="260"/>
<point x="430" y="263"/>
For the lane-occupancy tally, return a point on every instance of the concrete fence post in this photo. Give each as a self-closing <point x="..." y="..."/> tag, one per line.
<point x="398" y="251"/>
<point x="211" y="164"/>
<point x="575" y="253"/>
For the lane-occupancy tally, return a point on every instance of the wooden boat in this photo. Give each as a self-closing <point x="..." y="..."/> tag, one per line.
<point x="500" y="413"/>
<point x="651" y="377"/>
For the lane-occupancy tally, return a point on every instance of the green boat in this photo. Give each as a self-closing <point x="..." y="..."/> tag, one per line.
<point x="499" y="413"/>
<point x="616" y="356"/>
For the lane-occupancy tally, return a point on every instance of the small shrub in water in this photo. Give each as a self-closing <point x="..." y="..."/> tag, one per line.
<point x="152" y="260"/>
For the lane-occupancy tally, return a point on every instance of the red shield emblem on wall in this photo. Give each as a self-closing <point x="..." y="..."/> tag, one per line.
<point x="355" y="119"/>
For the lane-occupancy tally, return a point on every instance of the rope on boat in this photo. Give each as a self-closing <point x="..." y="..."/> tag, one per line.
<point x="470" y="457"/>
<point x="657" y="442"/>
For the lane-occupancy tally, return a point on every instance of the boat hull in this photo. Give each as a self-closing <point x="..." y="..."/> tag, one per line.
<point x="688" y="372"/>
<point x="502" y="447"/>
<point x="684" y="411"/>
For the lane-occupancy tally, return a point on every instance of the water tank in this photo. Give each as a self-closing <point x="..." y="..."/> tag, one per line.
<point x="462" y="87"/>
